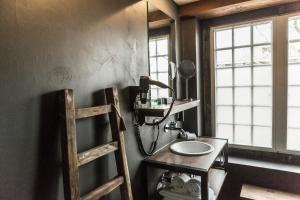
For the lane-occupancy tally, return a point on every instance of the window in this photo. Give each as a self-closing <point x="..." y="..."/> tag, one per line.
<point x="243" y="91"/>
<point x="293" y="122"/>
<point x="159" y="64"/>
<point x="256" y="70"/>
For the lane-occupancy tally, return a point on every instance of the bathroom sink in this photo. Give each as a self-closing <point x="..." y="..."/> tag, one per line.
<point x="191" y="148"/>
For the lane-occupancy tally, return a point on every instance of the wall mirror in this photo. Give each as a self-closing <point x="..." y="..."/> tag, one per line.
<point x="162" y="37"/>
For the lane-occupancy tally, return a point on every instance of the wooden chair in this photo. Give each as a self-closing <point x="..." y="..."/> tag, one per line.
<point x="72" y="161"/>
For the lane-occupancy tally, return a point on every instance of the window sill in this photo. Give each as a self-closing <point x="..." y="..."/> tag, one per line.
<point x="292" y="168"/>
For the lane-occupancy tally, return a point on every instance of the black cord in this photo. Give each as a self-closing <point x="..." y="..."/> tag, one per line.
<point x="140" y="142"/>
<point x="156" y="123"/>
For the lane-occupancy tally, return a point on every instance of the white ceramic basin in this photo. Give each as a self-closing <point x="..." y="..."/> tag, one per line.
<point x="191" y="148"/>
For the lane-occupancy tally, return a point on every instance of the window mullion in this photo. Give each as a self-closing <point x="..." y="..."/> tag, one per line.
<point x="233" y="87"/>
<point x="280" y="49"/>
<point x="252" y="83"/>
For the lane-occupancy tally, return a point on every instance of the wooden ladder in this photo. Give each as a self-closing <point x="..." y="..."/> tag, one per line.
<point x="72" y="161"/>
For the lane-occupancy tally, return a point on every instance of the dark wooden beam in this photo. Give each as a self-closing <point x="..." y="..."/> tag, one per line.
<point x="166" y="6"/>
<point x="157" y="15"/>
<point x="208" y="9"/>
<point x="158" y="19"/>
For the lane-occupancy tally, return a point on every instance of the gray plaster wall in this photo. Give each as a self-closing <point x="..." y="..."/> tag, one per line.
<point x="49" y="45"/>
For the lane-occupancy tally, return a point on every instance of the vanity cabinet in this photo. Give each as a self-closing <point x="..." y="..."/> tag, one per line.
<point x="211" y="167"/>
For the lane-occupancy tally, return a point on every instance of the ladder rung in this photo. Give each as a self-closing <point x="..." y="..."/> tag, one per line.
<point x="94" y="153"/>
<point x="104" y="189"/>
<point x="92" y="111"/>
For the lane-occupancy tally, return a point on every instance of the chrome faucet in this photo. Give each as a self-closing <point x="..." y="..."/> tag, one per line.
<point x="173" y="127"/>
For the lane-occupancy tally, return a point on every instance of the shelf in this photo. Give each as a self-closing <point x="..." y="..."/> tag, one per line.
<point x="216" y="180"/>
<point x="161" y="110"/>
<point x="202" y="165"/>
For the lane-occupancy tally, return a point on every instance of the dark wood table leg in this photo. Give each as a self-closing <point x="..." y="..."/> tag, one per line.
<point x="204" y="187"/>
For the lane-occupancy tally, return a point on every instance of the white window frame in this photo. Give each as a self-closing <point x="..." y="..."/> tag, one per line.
<point x="156" y="56"/>
<point x="280" y="83"/>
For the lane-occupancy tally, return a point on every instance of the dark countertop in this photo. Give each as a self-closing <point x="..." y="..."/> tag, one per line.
<point x="166" y="159"/>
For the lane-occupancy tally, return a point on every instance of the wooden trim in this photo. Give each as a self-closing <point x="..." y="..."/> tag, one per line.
<point x="206" y="81"/>
<point x="208" y="9"/>
<point x="104" y="189"/>
<point x="92" y="111"/>
<point x="69" y="147"/>
<point x="166" y="6"/>
<point x="157" y="16"/>
<point x="97" y="152"/>
<point x="253" y="192"/>
<point x="118" y="135"/>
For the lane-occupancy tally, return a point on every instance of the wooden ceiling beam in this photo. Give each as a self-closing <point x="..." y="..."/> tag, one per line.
<point x="158" y="19"/>
<point x="217" y="8"/>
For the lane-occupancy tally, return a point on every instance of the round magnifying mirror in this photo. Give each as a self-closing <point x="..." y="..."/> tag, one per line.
<point x="187" y="70"/>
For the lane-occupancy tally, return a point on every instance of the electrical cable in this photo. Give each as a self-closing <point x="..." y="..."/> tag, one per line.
<point x="155" y="123"/>
<point x="140" y="142"/>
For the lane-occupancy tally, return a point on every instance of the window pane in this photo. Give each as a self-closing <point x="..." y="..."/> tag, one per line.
<point x="242" y="115"/>
<point x="224" y="77"/>
<point x="294" y="96"/>
<point x="262" y="33"/>
<point x="163" y="93"/>
<point x="225" y="131"/>
<point x="294" y="117"/>
<point x="153" y="93"/>
<point x="262" y="76"/>
<point x="294" y="74"/>
<point x="294" y="52"/>
<point x="152" y="48"/>
<point x="294" y="29"/>
<point x="242" y="135"/>
<point x="223" y="38"/>
<point x="262" y="55"/>
<point x="152" y="64"/>
<point x="293" y="138"/>
<point x="162" y="47"/>
<point x="247" y="92"/>
<point x="242" y="96"/>
<point x="242" y="76"/>
<point x="242" y="36"/>
<point x="262" y="96"/>
<point x="224" y="96"/>
<point x="163" y="77"/>
<point x="262" y="136"/>
<point x="262" y="116"/>
<point x="153" y="76"/>
<point x="162" y="64"/>
<point x="224" y="58"/>
<point x="224" y="114"/>
<point x="242" y="56"/>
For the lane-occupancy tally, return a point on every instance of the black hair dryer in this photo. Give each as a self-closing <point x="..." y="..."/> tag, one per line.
<point x="144" y="87"/>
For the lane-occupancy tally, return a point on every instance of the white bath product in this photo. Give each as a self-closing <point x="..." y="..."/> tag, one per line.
<point x="178" y="183"/>
<point x="190" y="136"/>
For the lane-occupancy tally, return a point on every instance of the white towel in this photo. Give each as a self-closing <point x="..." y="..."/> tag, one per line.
<point x="178" y="183"/>
<point x="194" y="186"/>
<point x="169" y="195"/>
